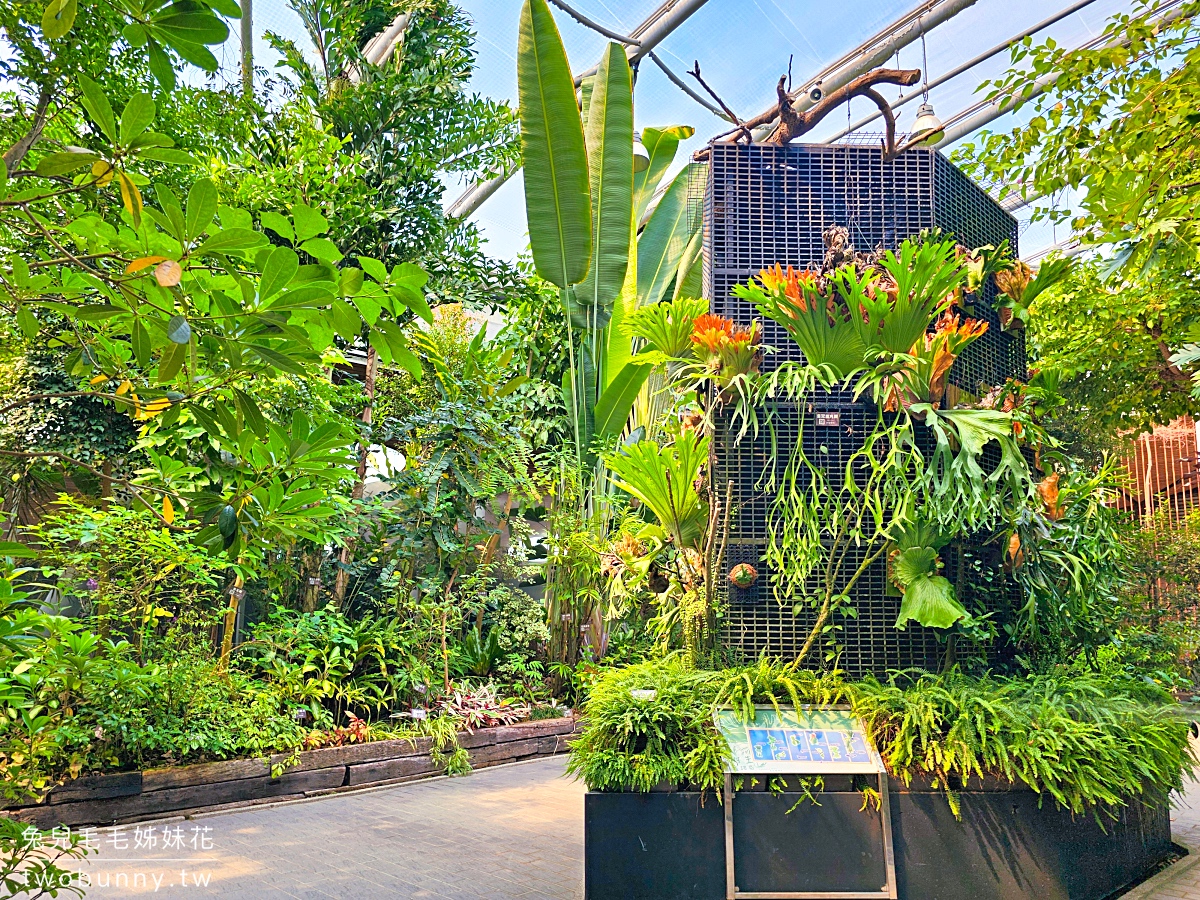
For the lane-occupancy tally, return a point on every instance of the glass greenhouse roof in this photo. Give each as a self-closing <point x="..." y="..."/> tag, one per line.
<point x="743" y="46"/>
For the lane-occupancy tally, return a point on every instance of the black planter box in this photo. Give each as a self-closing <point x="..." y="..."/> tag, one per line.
<point x="671" y="846"/>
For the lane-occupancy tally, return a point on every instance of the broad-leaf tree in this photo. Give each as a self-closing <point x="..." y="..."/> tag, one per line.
<point x="1108" y="150"/>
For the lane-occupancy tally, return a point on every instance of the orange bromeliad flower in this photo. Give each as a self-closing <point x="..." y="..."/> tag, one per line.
<point x="950" y="336"/>
<point x="710" y="331"/>
<point x="959" y="330"/>
<point x="774" y="277"/>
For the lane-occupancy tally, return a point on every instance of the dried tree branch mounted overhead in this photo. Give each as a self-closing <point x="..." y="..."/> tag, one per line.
<point x="793" y="123"/>
<point x="741" y="128"/>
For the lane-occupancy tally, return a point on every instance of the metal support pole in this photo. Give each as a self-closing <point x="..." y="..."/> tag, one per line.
<point x="247" y="47"/>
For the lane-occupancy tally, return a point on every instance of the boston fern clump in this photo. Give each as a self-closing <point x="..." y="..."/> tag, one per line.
<point x="1087" y="742"/>
<point x="637" y="741"/>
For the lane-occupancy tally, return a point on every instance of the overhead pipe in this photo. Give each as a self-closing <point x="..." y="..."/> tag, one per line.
<point x="1068" y="248"/>
<point x="380" y="48"/>
<point x="969" y="120"/>
<point x="652" y="32"/>
<point x="870" y="54"/>
<point x="970" y="64"/>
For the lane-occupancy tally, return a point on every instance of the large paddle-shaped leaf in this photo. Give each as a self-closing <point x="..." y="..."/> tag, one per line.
<point x="609" y="138"/>
<point x="557" y="196"/>
<point x="690" y="282"/>
<point x="619" y="344"/>
<point x="614" y="405"/>
<point x="665" y="239"/>
<point x="661" y="144"/>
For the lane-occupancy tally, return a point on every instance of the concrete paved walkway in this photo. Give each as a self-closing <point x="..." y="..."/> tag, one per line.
<point x="506" y="832"/>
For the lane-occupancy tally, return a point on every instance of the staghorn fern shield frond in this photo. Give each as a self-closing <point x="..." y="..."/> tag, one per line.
<point x="664" y="479"/>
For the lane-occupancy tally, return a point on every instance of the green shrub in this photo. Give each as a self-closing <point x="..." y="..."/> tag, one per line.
<point x="71" y="702"/>
<point x="477" y="654"/>
<point x="179" y="709"/>
<point x="1160" y="654"/>
<point x="332" y="666"/>
<point x="133" y="578"/>
<point x="521" y="624"/>
<point x="1087" y="741"/>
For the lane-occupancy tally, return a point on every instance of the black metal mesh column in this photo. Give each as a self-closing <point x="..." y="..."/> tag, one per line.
<point x="770" y="204"/>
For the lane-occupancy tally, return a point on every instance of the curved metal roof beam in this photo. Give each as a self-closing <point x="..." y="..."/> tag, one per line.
<point x="657" y="26"/>
<point x="970" y="64"/>
<point x="872" y="53"/>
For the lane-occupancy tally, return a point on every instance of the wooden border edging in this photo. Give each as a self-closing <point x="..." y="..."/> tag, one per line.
<point x="132" y="796"/>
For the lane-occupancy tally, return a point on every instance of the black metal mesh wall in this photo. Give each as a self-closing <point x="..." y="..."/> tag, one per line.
<point x="755" y="623"/>
<point x="768" y="204"/>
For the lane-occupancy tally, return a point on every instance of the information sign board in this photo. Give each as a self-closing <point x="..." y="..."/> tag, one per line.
<point x="805" y="741"/>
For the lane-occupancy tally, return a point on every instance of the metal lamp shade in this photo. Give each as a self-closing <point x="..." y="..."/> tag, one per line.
<point x="927" y="121"/>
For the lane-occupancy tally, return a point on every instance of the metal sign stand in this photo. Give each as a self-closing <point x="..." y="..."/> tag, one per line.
<point x="887" y="892"/>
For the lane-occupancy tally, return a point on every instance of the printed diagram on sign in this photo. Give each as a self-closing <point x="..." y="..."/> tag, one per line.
<point x="808" y="746"/>
<point x="805" y="740"/>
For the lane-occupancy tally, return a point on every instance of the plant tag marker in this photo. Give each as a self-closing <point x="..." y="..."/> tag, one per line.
<point x="829" y="419"/>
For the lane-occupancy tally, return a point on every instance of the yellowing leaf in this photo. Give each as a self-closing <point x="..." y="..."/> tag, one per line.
<point x="167" y="273"/>
<point x="102" y="171"/>
<point x="152" y="409"/>
<point x="168" y="514"/>
<point x="131" y="197"/>
<point x="144" y="263"/>
<point x="124" y="387"/>
<point x="99" y="379"/>
<point x="1048" y="490"/>
<point x="1016" y="553"/>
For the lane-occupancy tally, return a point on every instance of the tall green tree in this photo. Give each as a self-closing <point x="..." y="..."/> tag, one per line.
<point x="398" y="128"/>
<point x="1108" y="151"/>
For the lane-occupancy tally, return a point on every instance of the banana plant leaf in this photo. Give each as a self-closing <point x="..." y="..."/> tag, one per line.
<point x="615" y="404"/>
<point x="618" y="347"/>
<point x="558" y="202"/>
<point x="690" y="280"/>
<point x="609" y="137"/>
<point x="661" y="144"/>
<point x="665" y="238"/>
